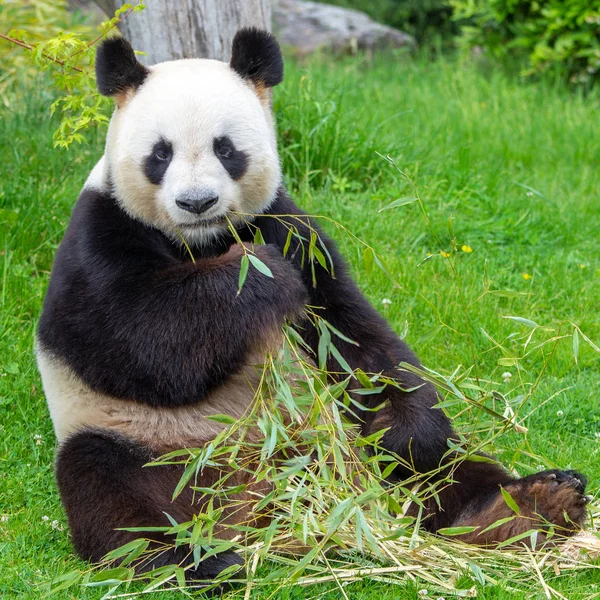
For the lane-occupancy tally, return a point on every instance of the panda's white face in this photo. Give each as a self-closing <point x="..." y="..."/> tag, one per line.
<point x="191" y="147"/>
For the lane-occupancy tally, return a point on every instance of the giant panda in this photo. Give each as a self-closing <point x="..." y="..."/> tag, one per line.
<point x="138" y="343"/>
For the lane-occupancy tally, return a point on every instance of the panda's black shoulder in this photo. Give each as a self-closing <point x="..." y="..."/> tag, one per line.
<point x="101" y="233"/>
<point x="102" y="248"/>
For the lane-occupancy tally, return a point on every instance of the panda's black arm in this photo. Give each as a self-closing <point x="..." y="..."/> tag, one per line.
<point x="339" y="300"/>
<point x="416" y="431"/>
<point x="137" y="322"/>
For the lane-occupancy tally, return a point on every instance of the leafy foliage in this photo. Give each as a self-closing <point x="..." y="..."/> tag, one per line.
<point x="68" y="55"/>
<point x="549" y="34"/>
<point x="33" y="21"/>
<point x="299" y="489"/>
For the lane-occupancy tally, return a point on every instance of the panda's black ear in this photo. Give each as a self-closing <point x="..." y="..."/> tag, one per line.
<point x="117" y="68"/>
<point x="256" y="56"/>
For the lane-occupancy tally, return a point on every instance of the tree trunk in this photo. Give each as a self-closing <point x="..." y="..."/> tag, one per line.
<point x="172" y="29"/>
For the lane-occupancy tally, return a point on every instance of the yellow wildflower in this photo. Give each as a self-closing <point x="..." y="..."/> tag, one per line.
<point x="582" y="266"/>
<point x="466" y="248"/>
<point x="445" y="254"/>
<point x="526" y="276"/>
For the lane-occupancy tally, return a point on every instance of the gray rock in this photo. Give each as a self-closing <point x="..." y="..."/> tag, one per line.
<point x="309" y="26"/>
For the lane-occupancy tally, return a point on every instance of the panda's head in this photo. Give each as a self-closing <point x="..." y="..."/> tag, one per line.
<point x="192" y="142"/>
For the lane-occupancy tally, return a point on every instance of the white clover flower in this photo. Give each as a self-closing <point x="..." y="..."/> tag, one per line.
<point x="38" y="439"/>
<point x="559" y="413"/>
<point x="423" y="592"/>
<point x="45" y="518"/>
<point x="597" y="435"/>
<point x="55" y="525"/>
<point x="386" y="301"/>
<point x="529" y="194"/>
<point x="506" y="376"/>
<point x="4" y="519"/>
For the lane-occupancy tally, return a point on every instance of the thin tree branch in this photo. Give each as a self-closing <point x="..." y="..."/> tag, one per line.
<point x="118" y="22"/>
<point x="90" y="44"/>
<point x="31" y="48"/>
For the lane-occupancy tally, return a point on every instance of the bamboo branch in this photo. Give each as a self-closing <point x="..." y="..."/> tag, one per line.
<point x="62" y="63"/>
<point x="31" y="48"/>
<point x="118" y="22"/>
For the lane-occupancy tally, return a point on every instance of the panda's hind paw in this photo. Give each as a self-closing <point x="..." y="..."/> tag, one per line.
<point x="557" y="496"/>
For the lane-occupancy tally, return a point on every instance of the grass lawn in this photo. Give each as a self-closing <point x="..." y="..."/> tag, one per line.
<point x="509" y="171"/>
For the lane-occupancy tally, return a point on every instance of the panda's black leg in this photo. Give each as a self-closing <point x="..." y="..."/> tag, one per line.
<point x="104" y="486"/>
<point x="419" y="434"/>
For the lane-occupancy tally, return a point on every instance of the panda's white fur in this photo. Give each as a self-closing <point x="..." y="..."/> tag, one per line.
<point x="74" y="406"/>
<point x="97" y="180"/>
<point x="190" y="103"/>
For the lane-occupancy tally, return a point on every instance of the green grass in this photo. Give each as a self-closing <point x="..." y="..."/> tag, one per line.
<point x="509" y="170"/>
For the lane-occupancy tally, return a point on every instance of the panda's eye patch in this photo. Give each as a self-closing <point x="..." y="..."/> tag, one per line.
<point x="234" y="161"/>
<point x="157" y="162"/>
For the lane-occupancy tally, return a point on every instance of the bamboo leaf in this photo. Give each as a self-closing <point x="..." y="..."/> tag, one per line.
<point x="498" y="523"/>
<point x="320" y="258"/>
<point x="225" y="419"/>
<point x="400" y="202"/>
<point x="258" y="237"/>
<point x="336" y="354"/>
<point x="243" y="273"/>
<point x="457" y="530"/>
<point x="126" y="549"/>
<point x="526" y="322"/>
<point x="516" y="538"/>
<point x="288" y="241"/>
<point x="510" y="501"/>
<point x="65" y="581"/>
<point x="339" y="334"/>
<point x="324" y="344"/>
<point x="260" y="266"/>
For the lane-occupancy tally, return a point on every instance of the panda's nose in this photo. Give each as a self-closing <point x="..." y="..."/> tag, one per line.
<point x="197" y="205"/>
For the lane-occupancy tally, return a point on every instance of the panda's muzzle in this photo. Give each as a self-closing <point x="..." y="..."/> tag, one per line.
<point x="197" y="206"/>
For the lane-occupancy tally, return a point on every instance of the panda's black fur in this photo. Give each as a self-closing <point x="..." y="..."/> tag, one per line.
<point x="135" y="318"/>
<point x="117" y="69"/>
<point x="175" y="329"/>
<point x="256" y="56"/>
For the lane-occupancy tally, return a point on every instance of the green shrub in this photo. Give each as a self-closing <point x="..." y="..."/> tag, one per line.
<point x="549" y="34"/>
